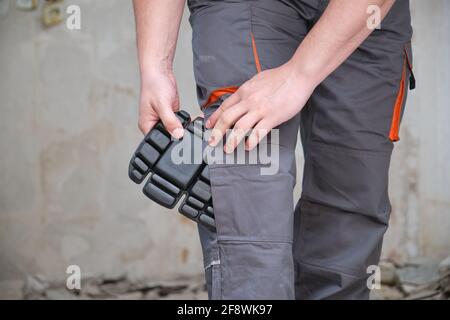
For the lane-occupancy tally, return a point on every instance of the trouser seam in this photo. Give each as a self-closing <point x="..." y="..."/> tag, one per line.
<point x="242" y="241"/>
<point x="375" y="218"/>
<point x="348" y="150"/>
<point x="331" y="268"/>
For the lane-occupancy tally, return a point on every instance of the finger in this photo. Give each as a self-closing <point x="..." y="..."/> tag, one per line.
<point x="258" y="133"/>
<point x="241" y="129"/>
<point x="171" y="123"/>
<point x="226" y="121"/>
<point x="228" y="103"/>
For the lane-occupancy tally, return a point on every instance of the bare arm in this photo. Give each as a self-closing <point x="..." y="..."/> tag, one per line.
<point x="340" y="30"/>
<point x="157" y="26"/>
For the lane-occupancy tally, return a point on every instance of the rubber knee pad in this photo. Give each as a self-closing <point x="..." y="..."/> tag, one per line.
<point x="168" y="182"/>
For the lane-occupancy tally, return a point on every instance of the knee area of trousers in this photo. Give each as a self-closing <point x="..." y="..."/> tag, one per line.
<point x="252" y="207"/>
<point x="315" y="282"/>
<point x="256" y="269"/>
<point x="244" y="269"/>
<point x="337" y="241"/>
<point x="349" y="180"/>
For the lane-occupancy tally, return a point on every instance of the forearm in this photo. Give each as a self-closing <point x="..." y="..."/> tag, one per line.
<point x="157" y="26"/>
<point x="340" y="30"/>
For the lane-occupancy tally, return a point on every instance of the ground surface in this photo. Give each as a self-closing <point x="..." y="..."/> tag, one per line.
<point x="420" y="278"/>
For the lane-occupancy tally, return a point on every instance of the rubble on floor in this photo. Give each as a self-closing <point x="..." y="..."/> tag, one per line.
<point x="120" y="288"/>
<point x="420" y="278"/>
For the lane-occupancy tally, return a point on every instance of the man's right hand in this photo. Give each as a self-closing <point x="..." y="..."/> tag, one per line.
<point x="157" y="26"/>
<point x="158" y="101"/>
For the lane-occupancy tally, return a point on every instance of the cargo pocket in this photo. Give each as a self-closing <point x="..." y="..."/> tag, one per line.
<point x="222" y="47"/>
<point x="232" y="41"/>
<point x="399" y="106"/>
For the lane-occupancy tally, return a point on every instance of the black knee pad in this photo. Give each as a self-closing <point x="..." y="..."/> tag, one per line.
<point x="168" y="181"/>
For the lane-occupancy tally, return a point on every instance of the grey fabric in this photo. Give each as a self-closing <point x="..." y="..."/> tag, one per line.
<point x="263" y="248"/>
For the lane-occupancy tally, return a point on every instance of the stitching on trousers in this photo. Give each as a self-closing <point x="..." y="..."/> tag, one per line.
<point x="374" y="218"/>
<point x="348" y="150"/>
<point x="332" y="269"/>
<point x="242" y="241"/>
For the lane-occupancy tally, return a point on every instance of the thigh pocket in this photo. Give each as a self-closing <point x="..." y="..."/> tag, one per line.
<point x="223" y="56"/>
<point x="233" y="40"/>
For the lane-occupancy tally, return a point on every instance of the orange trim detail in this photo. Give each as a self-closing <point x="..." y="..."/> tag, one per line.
<point x="395" y="125"/>
<point x="218" y="93"/>
<point x="255" y="53"/>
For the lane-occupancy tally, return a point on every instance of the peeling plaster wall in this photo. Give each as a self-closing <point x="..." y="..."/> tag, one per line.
<point x="68" y="126"/>
<point x="420" y="172"/>
<point x="68" y="122"/>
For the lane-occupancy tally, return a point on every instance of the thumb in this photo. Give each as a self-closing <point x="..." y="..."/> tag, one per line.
<point x="172" y="123"/>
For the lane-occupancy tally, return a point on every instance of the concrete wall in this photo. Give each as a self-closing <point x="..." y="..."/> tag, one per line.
<point x="420" y="172"/>
<point x="68" y="126"/>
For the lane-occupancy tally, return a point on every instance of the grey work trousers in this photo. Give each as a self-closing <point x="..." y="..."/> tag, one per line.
<point x="264" y="247"/>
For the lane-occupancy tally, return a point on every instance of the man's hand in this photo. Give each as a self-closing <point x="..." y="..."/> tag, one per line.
<point x="262" y="103"/>
<point x="157" y="26"/>
<point x="159" y="100"/>
<point x="275" y="96"/>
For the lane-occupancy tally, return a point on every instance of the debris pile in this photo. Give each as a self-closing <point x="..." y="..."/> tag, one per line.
<point x="418" y="279"/>
<point x="120" y="288"/>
